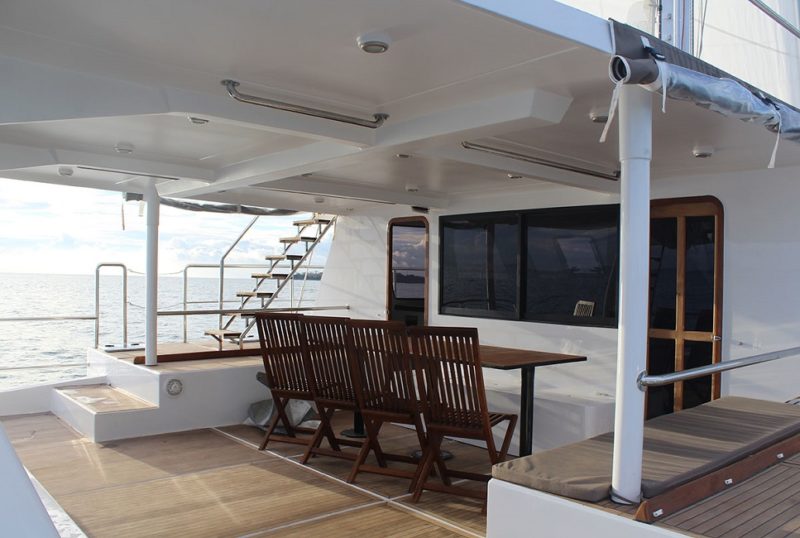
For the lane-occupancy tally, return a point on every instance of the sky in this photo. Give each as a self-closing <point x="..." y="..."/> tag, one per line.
<point x="69" y="230"/>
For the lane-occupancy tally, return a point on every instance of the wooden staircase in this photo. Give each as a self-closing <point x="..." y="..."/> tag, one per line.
<point x="268" y="285"/>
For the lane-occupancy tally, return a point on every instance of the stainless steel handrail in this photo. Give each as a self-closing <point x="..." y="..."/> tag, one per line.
<point x="540" y="161"/>
<point x="209" y="266"/>
<point x="222" y="266"/>
<point x="224" y="311"/>
<point x="231" y="85"/>
<point x="666" y="379"/>
<point x="52" y="318"/>
<point x="124" y="302"/>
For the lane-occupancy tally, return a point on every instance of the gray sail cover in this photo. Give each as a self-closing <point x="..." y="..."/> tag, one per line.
<point x="659" y="67"/>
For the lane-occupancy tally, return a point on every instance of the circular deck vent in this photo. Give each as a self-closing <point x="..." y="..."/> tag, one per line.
<point x="174" y="387"/>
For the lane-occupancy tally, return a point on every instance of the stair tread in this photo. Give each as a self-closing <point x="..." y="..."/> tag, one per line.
<point x="297" y="238"/>
<point x="104" y="398"/>
<point x="254" y="293"/>
<point x="222" y="332"/>
<point x="269" y="275"/>
<point x="309" y="222"/>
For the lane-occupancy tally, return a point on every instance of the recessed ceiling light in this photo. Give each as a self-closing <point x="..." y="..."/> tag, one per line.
<point x="124" y="147"/>
<point x="307" y="174"/>
<point x="403" y="156"/>
<point x="703" y="152"/>
<point x="197" y="121"/>
<point x="514" y="176"/>
<point x="410" y="187"/>
<point x="65" y="171"/>
<point x="598" y="116"/>
<point x="319" y="200"/>
<point x="374" y="42"/>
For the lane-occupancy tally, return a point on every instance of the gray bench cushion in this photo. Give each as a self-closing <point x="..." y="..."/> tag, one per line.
<point x="677" y="448"/>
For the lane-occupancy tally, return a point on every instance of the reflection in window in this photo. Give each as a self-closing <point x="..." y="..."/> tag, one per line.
<point x="408" y="260"/>
<point x="571" y="258"/>
<point x="480" y="257"/>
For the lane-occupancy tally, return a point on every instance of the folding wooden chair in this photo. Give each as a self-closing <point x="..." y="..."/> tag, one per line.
<point x="451" y="389"/>
<point x="280" y="336"/>
<point x="384" y="381"/>
<point x="324" y="346"/>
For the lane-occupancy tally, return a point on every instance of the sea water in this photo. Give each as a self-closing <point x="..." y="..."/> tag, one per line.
<point x="42" y="351"/>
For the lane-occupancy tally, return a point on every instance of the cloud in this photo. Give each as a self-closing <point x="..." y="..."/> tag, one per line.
<point x="69" y="230"/>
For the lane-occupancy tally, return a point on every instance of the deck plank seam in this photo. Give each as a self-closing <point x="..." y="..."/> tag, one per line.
<point x="720" y="520"/>
<point x="297" y="463"/>
<point x="312" y="519"/>
<point x="112" y="487"/>
<point x="389" y="501"/>
<point x="694" y="516"/>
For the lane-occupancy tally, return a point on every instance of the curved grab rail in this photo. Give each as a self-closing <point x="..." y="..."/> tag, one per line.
<point x="231" y="85"/>
<point x="645" y="380"/>
<point x="97" y="302"/>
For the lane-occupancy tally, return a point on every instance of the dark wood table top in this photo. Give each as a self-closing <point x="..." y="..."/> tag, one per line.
<point x="505" y="358"/>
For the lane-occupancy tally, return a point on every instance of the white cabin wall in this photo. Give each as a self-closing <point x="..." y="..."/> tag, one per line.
<point x="355" y="273"/>
<point x="760" y="314"/>
<point x="761" y="287"/>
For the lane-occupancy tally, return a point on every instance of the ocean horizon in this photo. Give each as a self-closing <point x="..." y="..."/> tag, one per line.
<point x="34" y="352"/>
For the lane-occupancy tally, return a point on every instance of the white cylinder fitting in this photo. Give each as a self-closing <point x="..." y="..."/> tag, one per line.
<point x="151" y="275"/>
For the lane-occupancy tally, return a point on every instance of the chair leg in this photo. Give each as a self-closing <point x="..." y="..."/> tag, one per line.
<point x="431" y="453"/>
<point x="316" y="439"/>
<point x="325" y="427"/>
<point x="270" y="429"/>
<point x="512" y="422"/>
<point x="280" y="408"/>
<point x="372" y="440"/>
<point x="364" y="450"/>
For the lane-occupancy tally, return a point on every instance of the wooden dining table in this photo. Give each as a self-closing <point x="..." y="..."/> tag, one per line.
<point x="526" y="360"/>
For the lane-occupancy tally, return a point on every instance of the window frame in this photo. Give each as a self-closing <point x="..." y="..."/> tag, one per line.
<point x="521" y="313"/>
<point x="479" y="312"/>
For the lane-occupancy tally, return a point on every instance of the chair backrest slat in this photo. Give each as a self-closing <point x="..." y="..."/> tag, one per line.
<point x="450" y="373"/>
<point x="382" y="370"/>
<point x="325" y="348"/>
<point x="280" y="336"/>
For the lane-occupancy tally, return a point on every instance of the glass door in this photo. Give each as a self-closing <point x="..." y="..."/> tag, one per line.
<point x="685" y="300"/>
<point x="408" y="270"/>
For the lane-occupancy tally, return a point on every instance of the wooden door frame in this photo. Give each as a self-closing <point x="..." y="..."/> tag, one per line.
<point x="401" y="220"/>
<point x="696" y="206"/>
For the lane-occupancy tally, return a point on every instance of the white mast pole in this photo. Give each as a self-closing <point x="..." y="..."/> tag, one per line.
<point x="151" y="272"/>
<point x="635" y="153"/>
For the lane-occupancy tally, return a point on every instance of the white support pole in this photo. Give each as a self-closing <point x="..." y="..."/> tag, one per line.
<point x="635" y="152"/>
<point x="151" y="272"/>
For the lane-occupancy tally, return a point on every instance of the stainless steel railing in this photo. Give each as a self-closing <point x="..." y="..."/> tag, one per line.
<point x="97" y="302"/>
<point x="692" y="373"/>
<point x="222" y="265"/>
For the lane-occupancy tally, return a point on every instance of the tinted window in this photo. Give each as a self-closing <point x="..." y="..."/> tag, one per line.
<point x="480" y="265"/>
<point x="571" y="259"/>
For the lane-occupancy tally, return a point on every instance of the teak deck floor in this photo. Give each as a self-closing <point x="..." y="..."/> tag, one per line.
<point x="215" y="483"/>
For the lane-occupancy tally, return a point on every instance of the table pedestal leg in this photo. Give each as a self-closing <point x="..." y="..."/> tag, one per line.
<point x="357" y="432"/>
<point x="526" y="412"/>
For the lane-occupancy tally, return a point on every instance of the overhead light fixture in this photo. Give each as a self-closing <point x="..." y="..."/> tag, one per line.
<point x="403" y="156"/>
<point x="197" y="121"/>
<point x="613" y="176"/>
<point x="702" y="152"/>
<point x="598" y="116"/>
<point x="319" y="200"/>
<point x="65" y="171"/>
<point x="514" y="176"/>
<point x="124" y="148"/>
<point x="374" y="42"/>
<point x="410" y="187"/>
